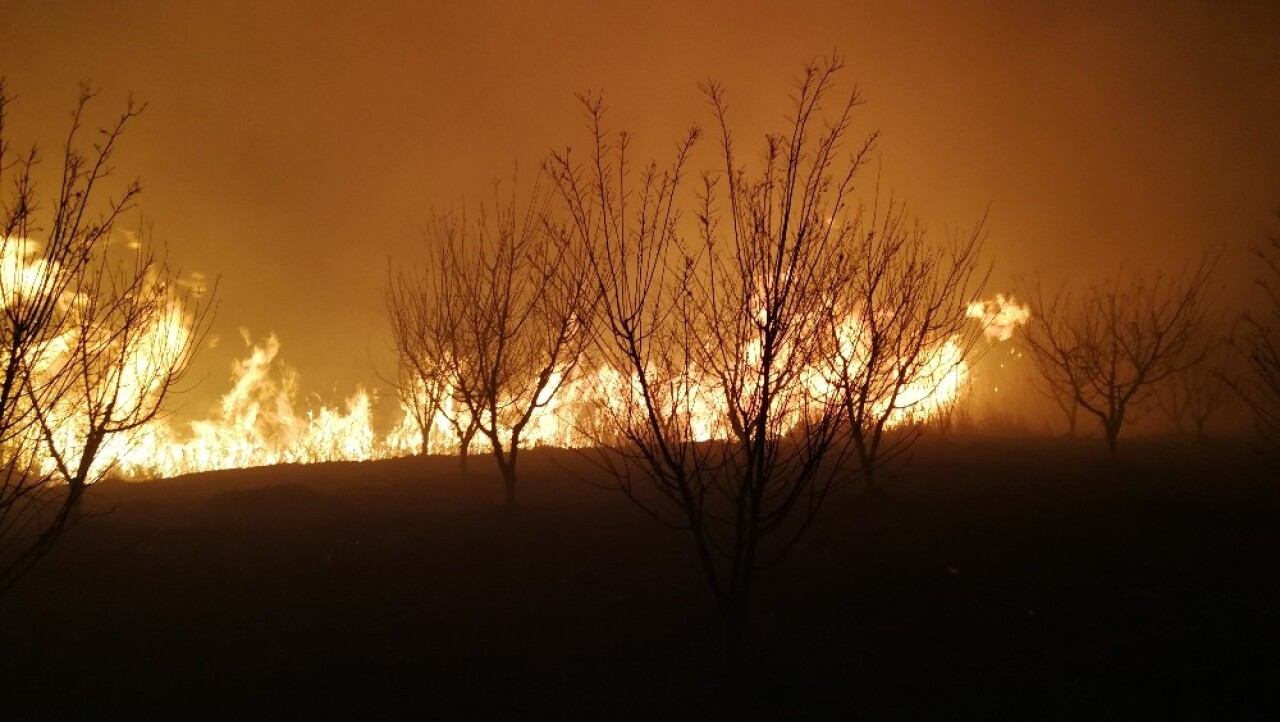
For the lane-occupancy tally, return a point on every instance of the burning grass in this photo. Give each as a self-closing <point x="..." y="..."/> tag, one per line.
<point x="259" y="422"/>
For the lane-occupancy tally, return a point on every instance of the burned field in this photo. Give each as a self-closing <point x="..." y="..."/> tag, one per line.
<point x="1022" y="576"/>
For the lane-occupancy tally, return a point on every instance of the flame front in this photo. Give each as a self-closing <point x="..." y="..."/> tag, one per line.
<point x="257" y="421"/>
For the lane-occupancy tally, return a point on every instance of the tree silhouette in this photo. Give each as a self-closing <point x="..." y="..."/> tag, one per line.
<point x="1116" y="343"/>
<point x="1258" y="343"/>
<point x="902" y="329"/>
<point x="95" y="336"/>
<point x="709" y="350"/>
<point x="1195" y="394"/>
<point x="512" y="310"/>
<point x="1053" y="383"/>
<point x="420" y="335"/>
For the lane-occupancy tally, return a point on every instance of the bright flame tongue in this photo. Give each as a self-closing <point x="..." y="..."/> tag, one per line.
<point x="256" y="424"/>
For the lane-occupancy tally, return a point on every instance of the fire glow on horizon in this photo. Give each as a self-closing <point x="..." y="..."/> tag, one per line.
<point x="257" y="422"/>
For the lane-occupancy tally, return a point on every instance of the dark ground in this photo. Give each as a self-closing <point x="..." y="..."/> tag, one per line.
<point x="997" y="578"/>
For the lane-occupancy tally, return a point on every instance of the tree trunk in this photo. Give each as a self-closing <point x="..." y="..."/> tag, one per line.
<point x="1112" y="431"/>
<point x="866" y="459"/>
<point x="464" y="449"/>
<point x="509" y="484"/>
<point x="19" y="567"/>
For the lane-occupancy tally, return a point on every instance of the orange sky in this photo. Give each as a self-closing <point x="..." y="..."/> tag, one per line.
<point x="292" y="147"/>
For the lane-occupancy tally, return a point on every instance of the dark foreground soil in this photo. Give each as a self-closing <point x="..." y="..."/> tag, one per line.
<point x="996" y="578"/>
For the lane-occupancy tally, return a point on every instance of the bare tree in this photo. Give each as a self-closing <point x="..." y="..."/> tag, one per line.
<point x="1195" y="394"/>
<point x="423" y="380"/>
<point x="95" y="337"/>
<point x="1117" y="342"/>
<point x="514" y="310"/>
<point x="419" y="382"/>
<point x="712" y="350"/>
<point x="1258" y="343"/>
<point x="903" y="331"/>
<point x="1052" y="383"/>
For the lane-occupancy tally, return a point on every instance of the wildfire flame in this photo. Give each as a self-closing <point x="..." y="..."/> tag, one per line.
<point x="257" y="421"/>
<point x="999" y="316"/>
<point x="127" y="367"/>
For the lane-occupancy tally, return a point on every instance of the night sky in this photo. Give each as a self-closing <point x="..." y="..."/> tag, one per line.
<point x="292" y="148"/>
